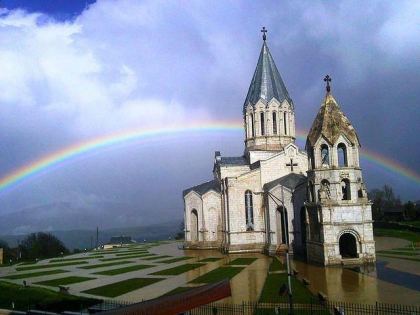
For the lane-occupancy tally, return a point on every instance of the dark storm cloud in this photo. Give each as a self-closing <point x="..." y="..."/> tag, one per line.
<point x="121" y="65"/>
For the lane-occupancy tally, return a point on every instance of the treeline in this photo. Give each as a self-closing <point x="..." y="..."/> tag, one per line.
<point x="388" y="207"/>
<point x="34" y="246"/>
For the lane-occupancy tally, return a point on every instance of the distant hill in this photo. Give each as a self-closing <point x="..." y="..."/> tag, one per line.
<point x="61" y="216"/>
<point x="75" y="223"/>
<point x="82" y="239"/>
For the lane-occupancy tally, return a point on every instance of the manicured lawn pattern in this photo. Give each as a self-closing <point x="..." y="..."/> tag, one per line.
<point x="64" y="281"/>
<point x="156" y="257"/>
<point x="119" y="271"/>
<point x="119" y="288"/>
<point x="242" y="261"/>
<point x="34" y="274"/>
<point x="210" y="259"/>
<point x="106" y="265"/>
<point x="51" y="266"/>
<point x="123" y="257"/>
<point x="172" y="260"/>
<point x="177" y="270"/>
<point x="73" y="259"/>
<point x="218" y="274"/>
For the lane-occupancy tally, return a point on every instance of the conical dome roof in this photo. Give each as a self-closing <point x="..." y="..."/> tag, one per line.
<point x="266" y="83"/>
<point x="330" y="122"/>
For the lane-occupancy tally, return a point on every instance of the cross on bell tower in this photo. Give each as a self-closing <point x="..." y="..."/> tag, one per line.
<point x="328" y="80"/>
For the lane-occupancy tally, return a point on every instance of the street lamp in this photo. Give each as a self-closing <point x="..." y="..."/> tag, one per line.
<point x="286" y="236"/>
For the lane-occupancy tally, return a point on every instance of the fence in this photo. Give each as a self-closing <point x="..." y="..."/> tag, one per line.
<point x="314" y="307"/>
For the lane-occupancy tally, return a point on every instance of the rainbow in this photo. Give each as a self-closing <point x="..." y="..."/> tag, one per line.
<point x="73" y="152"/>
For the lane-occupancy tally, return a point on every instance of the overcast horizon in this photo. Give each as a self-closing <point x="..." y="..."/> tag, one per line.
<point x="76" y="72"/>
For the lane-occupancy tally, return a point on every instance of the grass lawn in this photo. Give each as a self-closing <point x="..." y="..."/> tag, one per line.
<point x="177" y="270"/>
<point x="26" y="298"/>
<point x="119" y="288"/>
<point x="273" y="282"/>
<point x="397" y="252"/>
<point x="106" y="265"/>
<point x="50" y="266"/>
<point x="73" y="259"/>
<point x="242" y="261"/>
<point x="276" y="265"/>
<point x="172" y="260"/>
<point x="134" y="252"/>
<point x="124" y="257"/>
<point x="218" y="274"/>
<point x="407" y="235"/>
<point x="64" y="281"/>
<point x="35" y="274"/>
<point x="119" y="271"/>
<point x="210" y="259"/>
<point x="156" y="257"/>
<point x="413" y="223"/>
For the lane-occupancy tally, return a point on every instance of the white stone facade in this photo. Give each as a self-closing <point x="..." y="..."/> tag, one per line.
<point x="327" y="216"/>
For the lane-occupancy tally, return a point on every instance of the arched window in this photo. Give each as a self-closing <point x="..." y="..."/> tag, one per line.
<point x="345" y="189"/>
<point x="252" y="125"/>
<point x="262" y="124"/>
<point x="325" y="155"/>
<point x="342" y="155"/>
<point x="324" y="190"/>
<point x="249" y="212"/>
<point x="311" y="191"/>
<point x="274" y="123"/>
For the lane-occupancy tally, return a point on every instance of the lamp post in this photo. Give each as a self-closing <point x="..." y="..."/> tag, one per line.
<point x="286" y="239"/>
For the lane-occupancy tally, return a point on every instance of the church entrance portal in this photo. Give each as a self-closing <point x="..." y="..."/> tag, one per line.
<point x="348" y="246"/>
<point x="194" y="226"/>
<point x="280" y="225"/>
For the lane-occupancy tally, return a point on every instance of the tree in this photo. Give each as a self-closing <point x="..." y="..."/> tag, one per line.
<point x="181" y="234"/>
<point x="385" y="205"/>
<point x="410" y="210"/>
<point x="7" y="251"/>
<point x="42" y="245"/>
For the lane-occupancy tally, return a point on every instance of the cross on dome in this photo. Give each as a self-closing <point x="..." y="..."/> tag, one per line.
<point x="264" y="31"/>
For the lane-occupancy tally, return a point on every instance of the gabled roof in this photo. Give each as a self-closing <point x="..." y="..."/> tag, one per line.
<point x="266" y="83"/>
<point x="290" y="181"/>
<point x="330" y="122"/>
<point x="233" y="161"/>
<point x="203" y="188"/>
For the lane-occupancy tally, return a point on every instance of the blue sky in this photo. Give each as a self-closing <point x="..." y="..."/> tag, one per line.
<point x="78" y="70"/>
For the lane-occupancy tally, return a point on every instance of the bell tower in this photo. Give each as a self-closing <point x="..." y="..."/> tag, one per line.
<point x="338" y="213"/>
<point x="268" y="109"/>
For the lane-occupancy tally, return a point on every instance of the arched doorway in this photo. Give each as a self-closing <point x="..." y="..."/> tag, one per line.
<point x="348" y="246"/>
<point x="194" y="226"/>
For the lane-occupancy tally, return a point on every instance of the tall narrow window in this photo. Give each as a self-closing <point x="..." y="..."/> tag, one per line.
<point x="325" y="156"/>
<point x="262" y="124"/>
<point x="342" y="155"/>
<point x="285" y="123"/>
<point x="345" y="189"/>
<point x="249" y="212"/>
<point x="252" y="125"/>
<point x="274" y="123"/>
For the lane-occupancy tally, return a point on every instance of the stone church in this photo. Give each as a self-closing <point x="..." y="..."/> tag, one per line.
<point x="276" y="196"/>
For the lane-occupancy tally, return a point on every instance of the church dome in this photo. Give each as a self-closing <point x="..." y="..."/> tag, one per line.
<point x="266" y="83"/>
